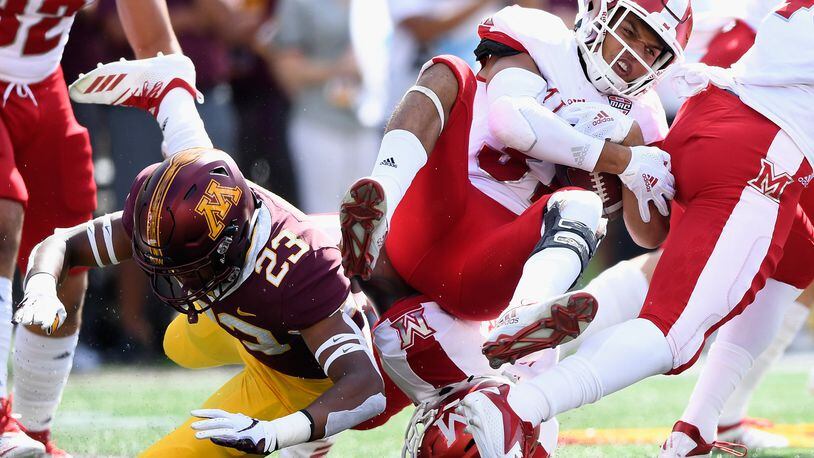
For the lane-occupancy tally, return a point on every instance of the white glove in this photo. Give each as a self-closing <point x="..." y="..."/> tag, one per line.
<point x="598" y="121"/>
<point x="41" y="306"/>
<point x="235" y="430"/>
<point x="648" y="176"/>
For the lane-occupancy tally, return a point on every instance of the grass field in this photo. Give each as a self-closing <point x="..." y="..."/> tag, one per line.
<point x="119" y="411"/>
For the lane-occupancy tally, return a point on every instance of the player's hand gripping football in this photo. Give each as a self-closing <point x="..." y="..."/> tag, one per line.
<point x="41" y="306"/>
<point x="598" y="121"/>
<point x="235" y="430"/>
<point x="648" y="176"/>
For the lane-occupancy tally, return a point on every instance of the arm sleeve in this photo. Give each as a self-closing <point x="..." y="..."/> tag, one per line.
<point x="316" y="287"/>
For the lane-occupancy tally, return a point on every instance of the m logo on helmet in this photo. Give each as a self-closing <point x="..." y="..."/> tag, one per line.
<point x="768" y="183"/>
<point x="215" y="205"/>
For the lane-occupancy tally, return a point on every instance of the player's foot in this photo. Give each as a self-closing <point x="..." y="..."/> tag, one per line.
<point x="51" y="450"/>
<point x="363" y="222"/>
<point x="747" y="432"/>
<point x="527" y="328"/>
<point x="498" y="431"/>
<point x="141" y="83"/>
<point x="14" y="443"/>
<point x="686" y="440"/>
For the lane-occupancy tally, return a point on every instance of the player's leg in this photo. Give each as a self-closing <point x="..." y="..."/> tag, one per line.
<point x="58" y="171"/>
<point x="13" y="196"/>
<point x="795" y="270"/>
<point x="200" y="345"/>
<point x="538" y="315"/>
<point x="256" y="391"/>
<point x="620" y="291"/>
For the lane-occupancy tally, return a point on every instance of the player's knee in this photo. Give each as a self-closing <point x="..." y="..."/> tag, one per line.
<point x="578" y="205"/>
<point x="11" y="225"/>
<point x="507" y="123"/>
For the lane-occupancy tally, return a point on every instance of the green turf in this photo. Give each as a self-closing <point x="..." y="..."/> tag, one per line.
<point x="120" y="411"/>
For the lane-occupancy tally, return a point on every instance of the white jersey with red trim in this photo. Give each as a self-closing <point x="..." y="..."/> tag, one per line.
<point x="776" y="76"/>
<point x="508" y="176"/>
<point x="33" y="34"/>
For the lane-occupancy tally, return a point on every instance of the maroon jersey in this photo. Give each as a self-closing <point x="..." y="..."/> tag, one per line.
<point x="294" y="281"/>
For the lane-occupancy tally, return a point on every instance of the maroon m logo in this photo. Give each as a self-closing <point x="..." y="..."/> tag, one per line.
<point x="768" y="183"/>
<point x="411" y="325"/>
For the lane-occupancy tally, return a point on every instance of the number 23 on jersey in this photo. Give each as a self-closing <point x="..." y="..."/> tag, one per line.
<point x="276" y="269"/>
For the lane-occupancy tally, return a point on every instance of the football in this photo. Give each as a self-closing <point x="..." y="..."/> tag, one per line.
<point x="606" y="185"/>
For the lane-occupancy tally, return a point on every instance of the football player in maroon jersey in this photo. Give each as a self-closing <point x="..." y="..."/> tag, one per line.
<point x="255" y="280"/>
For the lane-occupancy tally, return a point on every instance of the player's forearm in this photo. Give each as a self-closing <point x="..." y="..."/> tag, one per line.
<point x="147" y="26"/>
<point x="48" y="257"/>
<point x="351" y="400"/>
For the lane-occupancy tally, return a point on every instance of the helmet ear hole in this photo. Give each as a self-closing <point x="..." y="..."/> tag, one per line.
<point x="219" y="171"/>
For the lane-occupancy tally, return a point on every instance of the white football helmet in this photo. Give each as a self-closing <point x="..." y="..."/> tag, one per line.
<point x="671" y="20"/>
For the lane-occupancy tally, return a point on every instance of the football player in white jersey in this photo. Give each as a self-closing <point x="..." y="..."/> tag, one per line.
<point x="751" y="122"/>
<point x="47" y="175"/>
<point x="461" y="223"/>
<point x="727" y="32"/>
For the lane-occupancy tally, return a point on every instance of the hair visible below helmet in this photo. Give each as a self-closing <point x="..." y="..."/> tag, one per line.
<point x="437" y="431"/>
<point x="192" y="222"/>
<point x="671" y="20"/>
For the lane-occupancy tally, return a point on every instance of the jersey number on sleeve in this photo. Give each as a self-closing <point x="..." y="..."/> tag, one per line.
<point x="37" y="38"/>
<point x="264" y="339"/>
<point x="275" y="274"/>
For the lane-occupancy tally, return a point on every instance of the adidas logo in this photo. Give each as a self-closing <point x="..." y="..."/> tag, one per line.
<point x="601" y="117"/>
<point x="105" y="83"/>
<point x="649" y="181"/>
<point x="390" y="162"/>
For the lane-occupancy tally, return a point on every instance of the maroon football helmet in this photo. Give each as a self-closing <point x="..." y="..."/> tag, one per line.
<point x="192" y="223"/>
<point x="437" y="431"/>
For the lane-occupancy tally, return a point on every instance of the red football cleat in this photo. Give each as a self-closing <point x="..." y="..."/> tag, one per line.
<point x="14" y="443"/>
<point x="51" y="450"/>
<point x="686" y="440"/>
<point x="498" y="431"/>
<point x="527" y="328"/>
<point x="363" y="222"/>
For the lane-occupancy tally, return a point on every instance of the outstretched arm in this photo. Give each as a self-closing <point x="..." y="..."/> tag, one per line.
<point x="147" y="26"/>
<point x="356" y="395"/>
<point x="99" y="242"/>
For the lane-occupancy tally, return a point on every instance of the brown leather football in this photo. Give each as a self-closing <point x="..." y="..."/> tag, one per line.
<point x="606" y="185"/>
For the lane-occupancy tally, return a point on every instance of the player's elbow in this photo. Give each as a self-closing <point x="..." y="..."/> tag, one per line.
<point x="508" y="125"/>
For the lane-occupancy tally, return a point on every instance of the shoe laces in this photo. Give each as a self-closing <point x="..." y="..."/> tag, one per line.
<point x="730" y="448"/>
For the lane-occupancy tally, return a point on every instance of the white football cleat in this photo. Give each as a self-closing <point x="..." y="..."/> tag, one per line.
<point x="498" y="431"/>
<point x="141" y="83"/>
<point x="685" y="440"/>
<point x="363" y="222"/>
<point x="746" y="432"/>
<point x="530" y="327"/>
<point x="14" y="442"/>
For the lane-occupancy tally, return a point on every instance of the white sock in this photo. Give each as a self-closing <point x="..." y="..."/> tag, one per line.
<point x="180" y="122"/>
<point x="620" y="291"/>
<point x="725" y="366"/>
<point x="735" y="408"/>
<point x="5" y="333"/>
<point x="41" y="368"/>
<point x="401" y="156"/>
<point x="606" y="362"/>
<point x="559" y="267"/>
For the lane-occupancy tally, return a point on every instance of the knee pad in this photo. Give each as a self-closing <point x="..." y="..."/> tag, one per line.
<point x="571" y="234"/>
<point x="579" y="205"/>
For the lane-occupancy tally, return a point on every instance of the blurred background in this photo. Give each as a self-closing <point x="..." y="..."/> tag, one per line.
<point x="298" y="91"/>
